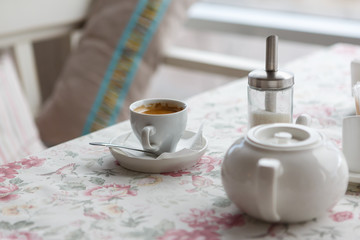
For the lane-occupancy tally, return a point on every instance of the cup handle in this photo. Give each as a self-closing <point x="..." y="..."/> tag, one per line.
<point x="146" y="132"/>
<point x="267" y="173"/>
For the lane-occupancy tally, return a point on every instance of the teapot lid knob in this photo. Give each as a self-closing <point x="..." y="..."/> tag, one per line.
<point x="283" y="137"/>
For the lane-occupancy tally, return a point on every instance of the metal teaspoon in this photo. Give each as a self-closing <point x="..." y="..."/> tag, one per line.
<point x="105" y="144"/>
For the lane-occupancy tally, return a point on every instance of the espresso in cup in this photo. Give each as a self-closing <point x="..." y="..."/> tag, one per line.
<point x="158" y="108"/>
<point x="158" y="123"/>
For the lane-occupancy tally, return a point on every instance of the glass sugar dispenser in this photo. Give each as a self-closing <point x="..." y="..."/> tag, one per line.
<point x="270" y="92"/>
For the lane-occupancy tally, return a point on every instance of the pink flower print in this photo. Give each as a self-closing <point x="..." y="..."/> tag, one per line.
<point x="176" y="174"/>
<point x="6" y="193"/>
<point x="97" y="216"/>
<point x="13" y="165"/>
<point x="6" y="173"/>
<point x="342" y="216"/>
<point x="337" y="142"/>
<point x="20" y="236"/>
<point x="241" y="129"/>
<point x="113" y="210"/>
<point x="275" y="230"/>
<point x="229" y="220"/>
<point x="184" y="235"/>
<point x="109" y="192"/>
<point x="201" y="219"/>
<point x="32" y="161"/>
<point x="212" y="116"/>
<point x="208" y="219"/>
<point x="183" y="182"/>
<point x="15" y="209"/>
<point x="199" y="182"/>
<point x="70" y="167"/>
<point x="207" y="163"/>
<point x="205" y="224"/>
<point x="150" y="180"/>
<point x="346" y="50"/>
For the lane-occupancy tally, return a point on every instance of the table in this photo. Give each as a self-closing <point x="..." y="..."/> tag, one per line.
<point x="78" y="191"/>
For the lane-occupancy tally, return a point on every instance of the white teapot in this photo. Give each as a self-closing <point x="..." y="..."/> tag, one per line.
<point x="284" y="173"/>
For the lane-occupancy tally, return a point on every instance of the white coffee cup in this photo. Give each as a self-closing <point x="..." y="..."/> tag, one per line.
<point x="158" y="123"/>
<point x="351" y="142"/>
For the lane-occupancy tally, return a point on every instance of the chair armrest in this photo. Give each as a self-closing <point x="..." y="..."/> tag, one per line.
<point x="210" y="62"/>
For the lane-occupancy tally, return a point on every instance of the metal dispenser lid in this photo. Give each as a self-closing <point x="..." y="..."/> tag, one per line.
<point x="271" y="78"/>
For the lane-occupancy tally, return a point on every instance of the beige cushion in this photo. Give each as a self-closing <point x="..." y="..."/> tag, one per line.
<point x="117" y="55"/>
<point x="18" y="134"/>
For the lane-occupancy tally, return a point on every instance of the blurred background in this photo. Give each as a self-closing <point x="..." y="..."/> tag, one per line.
<point x="232" y="28"/>
<point x="250" y="44"/>
<point x="218" y="42"/>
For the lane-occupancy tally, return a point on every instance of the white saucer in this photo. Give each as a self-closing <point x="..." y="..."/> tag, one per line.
<point x="167" y="162"/>
<point x="354" y="177"/>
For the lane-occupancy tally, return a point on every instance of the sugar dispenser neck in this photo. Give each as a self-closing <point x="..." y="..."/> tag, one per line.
<point x="271" y="53"/>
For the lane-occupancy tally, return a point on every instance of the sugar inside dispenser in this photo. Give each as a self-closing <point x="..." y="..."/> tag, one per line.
<point x="270" y="92"/>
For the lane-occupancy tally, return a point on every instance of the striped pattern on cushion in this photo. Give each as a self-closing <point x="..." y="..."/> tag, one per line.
<point x="18" y="133"/>
<point x="120" y="49"/>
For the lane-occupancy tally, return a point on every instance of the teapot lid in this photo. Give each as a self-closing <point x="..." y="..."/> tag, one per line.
<point x="283" y="136"/>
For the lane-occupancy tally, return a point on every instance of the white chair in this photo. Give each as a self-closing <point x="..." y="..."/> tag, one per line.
<point x="24" y="23"/>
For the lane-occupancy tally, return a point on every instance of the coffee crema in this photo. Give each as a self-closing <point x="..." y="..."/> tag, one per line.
<point x="157" y="108"/>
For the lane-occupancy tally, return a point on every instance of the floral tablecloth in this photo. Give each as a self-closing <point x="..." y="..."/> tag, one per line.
<point x="78" y="191"/>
